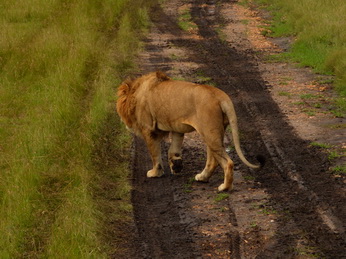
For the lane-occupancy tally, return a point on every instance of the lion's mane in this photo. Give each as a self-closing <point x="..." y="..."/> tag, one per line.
<point x="127" y="98"/>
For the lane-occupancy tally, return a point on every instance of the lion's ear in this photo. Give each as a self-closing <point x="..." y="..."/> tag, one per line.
<point x="162" y="76"/>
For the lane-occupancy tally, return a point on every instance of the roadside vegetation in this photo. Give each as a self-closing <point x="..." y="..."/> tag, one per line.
<point x="318" y="30"/>
<point x="60" y="63"/>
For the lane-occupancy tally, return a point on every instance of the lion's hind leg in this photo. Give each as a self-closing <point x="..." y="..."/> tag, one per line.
<point x="228" y="175"/>
<point x="174" y="153"/>
<point x="209" y="169"/>
<point x="227" y="165"/>
<point x="217" y="155"/>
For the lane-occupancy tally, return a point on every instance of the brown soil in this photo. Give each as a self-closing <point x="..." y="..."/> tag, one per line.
<point x="294" y="207"/>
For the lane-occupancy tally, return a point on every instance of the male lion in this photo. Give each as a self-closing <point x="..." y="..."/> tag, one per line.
<point x="154" y="105"/>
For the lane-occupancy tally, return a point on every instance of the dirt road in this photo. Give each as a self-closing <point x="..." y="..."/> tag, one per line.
<point x="292" y="208"/>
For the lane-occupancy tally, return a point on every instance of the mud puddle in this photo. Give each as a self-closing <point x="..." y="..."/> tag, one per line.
<point x="293" y="208"/>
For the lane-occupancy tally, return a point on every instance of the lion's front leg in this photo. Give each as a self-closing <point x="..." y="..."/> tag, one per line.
<point x="174" y="153"/>
<point x="153" y="142"/>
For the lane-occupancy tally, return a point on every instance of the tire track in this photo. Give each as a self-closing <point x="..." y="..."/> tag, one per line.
<point x="159" y="209"/>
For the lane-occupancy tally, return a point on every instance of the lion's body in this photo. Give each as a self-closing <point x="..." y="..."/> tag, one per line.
<point x="154" y="105"/>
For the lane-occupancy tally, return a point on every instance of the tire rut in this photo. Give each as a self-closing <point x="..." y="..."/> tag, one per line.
<point x="158" y="208"/>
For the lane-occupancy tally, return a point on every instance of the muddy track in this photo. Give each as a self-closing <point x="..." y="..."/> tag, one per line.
<point x="178" y="218"/>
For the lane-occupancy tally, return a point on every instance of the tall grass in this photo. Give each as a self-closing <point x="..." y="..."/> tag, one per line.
<point x="319" y="28"/>
<point x="59" y="64"/>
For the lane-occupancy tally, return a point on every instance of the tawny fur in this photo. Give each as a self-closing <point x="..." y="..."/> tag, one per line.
<point x="154" y="105"/>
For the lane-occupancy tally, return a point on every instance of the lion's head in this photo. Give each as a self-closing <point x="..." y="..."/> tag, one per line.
<point x="127" y="104"/>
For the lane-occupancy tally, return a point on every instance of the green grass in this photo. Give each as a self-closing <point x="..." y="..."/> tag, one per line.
<point x="221" y="196"/>
<point x="309" y="112"/>
<point x="339" y="170"/>
<point x="60" y="63"/>
<point x="185" y="20"/>
<point x="202" y="78"/>
<point x="188" y="186"/>
<point x="287" y="94"/>
<point x="333" y="155"/>
<point x="249" y="178"/>
<point x="320" y="145"/>
<point x="308" y="96"/>
<point x="318" y="27"/>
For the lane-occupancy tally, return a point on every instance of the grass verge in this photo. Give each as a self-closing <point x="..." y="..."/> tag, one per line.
<point x="318" y="28"/>
<point x="60" y="63"/>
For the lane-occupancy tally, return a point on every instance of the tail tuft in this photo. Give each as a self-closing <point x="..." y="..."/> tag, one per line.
<point x="261" y="159"/>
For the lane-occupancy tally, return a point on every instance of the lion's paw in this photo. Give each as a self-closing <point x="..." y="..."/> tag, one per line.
<point x="176" y="166"/>
<point x="200" y="178"/>
<point x="154" y="173"/>
<point x="223" y="187"/>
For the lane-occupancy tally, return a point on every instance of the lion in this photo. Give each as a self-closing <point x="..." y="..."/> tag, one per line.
<point x="154" y="105"/>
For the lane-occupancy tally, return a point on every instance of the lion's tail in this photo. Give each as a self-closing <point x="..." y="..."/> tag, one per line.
<point x="228" y="108"/>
